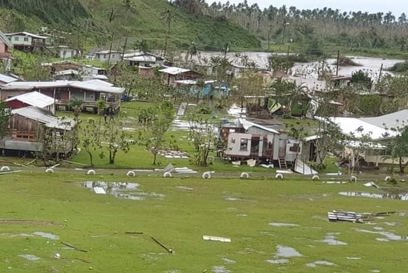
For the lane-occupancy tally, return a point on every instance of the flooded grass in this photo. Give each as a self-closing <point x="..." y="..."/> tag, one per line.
<point x="282" y="230"/>
<point x="402" y="196"/>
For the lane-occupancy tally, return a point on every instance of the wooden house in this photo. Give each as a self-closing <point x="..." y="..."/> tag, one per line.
<point x="32" y="130"/>
<point x="34" y="98"/>
<point x="64" y="92"/>
<point x="26" y="41"/>
<point x="248" y="140"/>
<point x="172" y="74"/>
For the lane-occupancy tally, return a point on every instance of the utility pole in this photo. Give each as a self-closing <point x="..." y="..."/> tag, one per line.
<point x="338" y="61"/>
<point x="168" y="17"/>
<point x="124" y="48"/>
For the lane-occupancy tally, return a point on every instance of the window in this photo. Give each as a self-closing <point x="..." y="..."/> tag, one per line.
<point x="295" y="148"/>
<point x="243" y="145"/>
<point x="25" y="39"/>
<point x="16" y="38"/>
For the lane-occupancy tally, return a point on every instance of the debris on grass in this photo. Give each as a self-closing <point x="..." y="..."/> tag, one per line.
<point x="401" y="196"/>
<point x="47" y="235"/>
<point x="387" y="236"/>
<point x="349" y="216"/>
<point x="318" y="263"/>
<point x="73" y="247"/>
<point x="283" y="225"/>
<point x="220" y="269"/>
<point x="216" y="238"/>
<point x="29" y="257"/>
<point x="169" y="250"/>
<point x="287" y="252"/>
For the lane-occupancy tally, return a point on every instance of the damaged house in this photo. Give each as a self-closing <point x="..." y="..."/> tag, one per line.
<point x="247" y="140"/>
<point x="32" y="130"/>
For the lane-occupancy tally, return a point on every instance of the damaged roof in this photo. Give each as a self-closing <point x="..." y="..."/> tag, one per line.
<point x="44" y="117"/>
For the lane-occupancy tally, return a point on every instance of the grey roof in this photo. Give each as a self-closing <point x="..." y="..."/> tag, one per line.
<point x="393" y="120"/>
<point x="174" y="70"/>
<point x="7" y="79"/>
<point x="91" y="85"/>
<point x="27" y="34"/>
<point x="44" y="117"/>
<point x="34" y="99"/>
<point x="5" y="40"/>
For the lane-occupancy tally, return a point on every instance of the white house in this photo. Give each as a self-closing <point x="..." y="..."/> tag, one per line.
<point x="26" y="40"/>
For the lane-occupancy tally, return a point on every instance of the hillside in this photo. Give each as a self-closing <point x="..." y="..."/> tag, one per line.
<point x="98" y="20"/>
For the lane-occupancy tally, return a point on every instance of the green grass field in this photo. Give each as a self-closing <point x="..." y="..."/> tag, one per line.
<point x="178" y="211"/>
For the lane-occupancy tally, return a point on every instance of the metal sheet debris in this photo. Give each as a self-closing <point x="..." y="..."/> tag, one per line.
<point x="216" y="238"/>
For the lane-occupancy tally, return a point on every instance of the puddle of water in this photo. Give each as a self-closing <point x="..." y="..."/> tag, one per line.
<point x="283" y="225"/>
<point x="287" y="252"/>
<point x="278" y="261"/>
<point x="403" y="196"/>
<point x="220" y="269"/>
<point x="331" y="240"/>
<point x="375" y="271"/>
<point x="122" y="190"/>
<point x="388" y="236"/>
<point x="29" y="257"/>
<point x="319" y="263"/>
<point x="47" y="235"/>
<point x="242" y="215"/>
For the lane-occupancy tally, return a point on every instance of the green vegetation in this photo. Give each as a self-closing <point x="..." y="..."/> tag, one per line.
<point x="142" y="21"/>
<point x="114" y="234"/>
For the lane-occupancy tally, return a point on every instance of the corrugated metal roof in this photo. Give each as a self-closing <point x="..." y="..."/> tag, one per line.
<point x="7" y="79"/>
<point x="34" y="98"/>
<point x="98" y="86"/>
<point x="5" y="40"/>
<point x="44" y="117"/>
<point x="91" y="85"/>
<point x="33" y="85"/>
<point x="27" y="34"/>
<point x="174" y="70"/>
<point x="247" y="124"/>
<point x="393" y="120"/>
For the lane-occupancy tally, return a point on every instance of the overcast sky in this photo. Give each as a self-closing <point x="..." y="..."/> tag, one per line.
<point x="395" y="6"/>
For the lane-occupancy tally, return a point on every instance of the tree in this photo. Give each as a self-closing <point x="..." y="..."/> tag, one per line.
<point x="115" y="138"/>
<point x="203" y="138"/>
<point x="399" y="147"/>
<point x="361" y="79"/>
<point x="4" y="118"/>
<point x="90" y="138"/>
<point x="156" y="121"/>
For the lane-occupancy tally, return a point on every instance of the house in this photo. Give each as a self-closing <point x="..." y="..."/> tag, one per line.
<point x="34" y="98"/>
<point x="64" y="92"/>
<point x="172" y="74"/>
<point x="89" y="72"/>
<point x="32" y="130"/>
<point x="370" y="135"/>
<point x="65" y="52"/>
<point x="26" y="41"/>
<point x="5" y="46"/>
<point x="108" y="55"/>
<point x="143" y="59"/>
<point x="248" y="140"/>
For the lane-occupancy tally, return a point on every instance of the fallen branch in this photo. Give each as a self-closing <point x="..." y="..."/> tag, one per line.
<point x="169" y="250"/>
<point x="134" y="232"/>
<point x="73" y="247"/>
